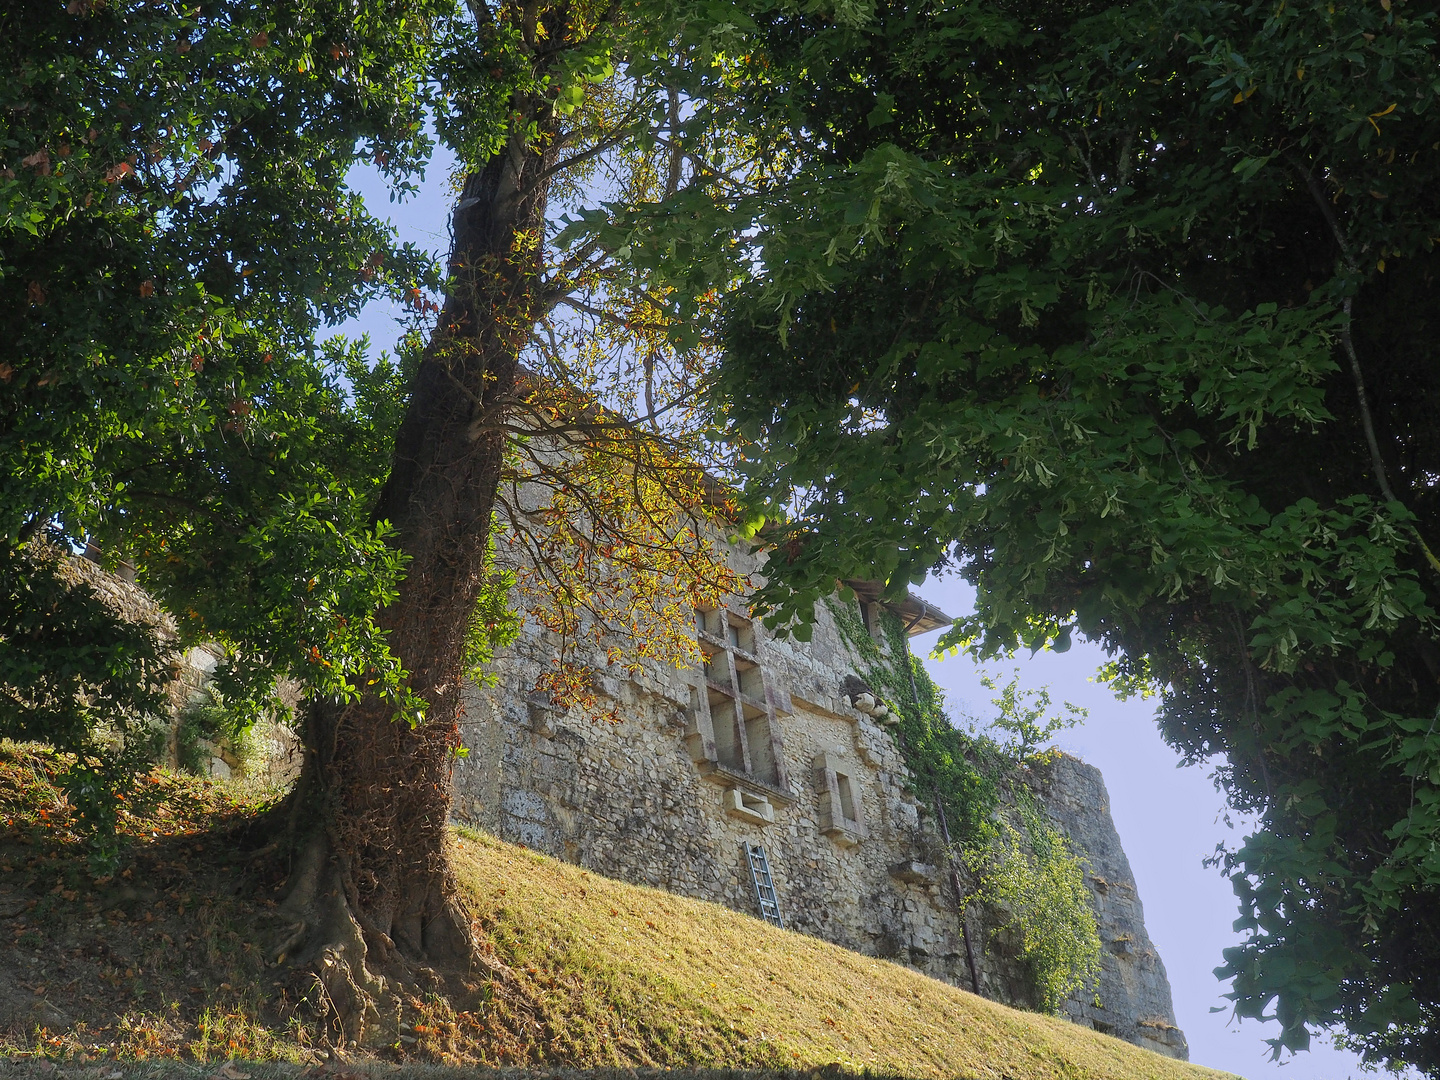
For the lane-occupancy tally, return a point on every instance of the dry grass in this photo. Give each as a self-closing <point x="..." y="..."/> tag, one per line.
<point x="160" y="969"/>
<point x="718" y="978"/>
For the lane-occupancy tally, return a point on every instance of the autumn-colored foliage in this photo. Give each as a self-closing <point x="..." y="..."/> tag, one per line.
<point x="618" y="537"/>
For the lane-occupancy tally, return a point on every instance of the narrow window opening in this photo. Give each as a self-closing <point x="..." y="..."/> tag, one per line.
<point x="841" y="815"/>
<point x="717" y="668"/>
<point x="762" y="752"/>
<point x="741" y="636"/>
<point x="707" y="621"/>
<point x="847" y="797"/>
<point x="727" y="738"/>
<point x="752" y="680"/>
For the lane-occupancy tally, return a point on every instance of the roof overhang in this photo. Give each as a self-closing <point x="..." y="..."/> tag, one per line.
<point x="916" y="615"/>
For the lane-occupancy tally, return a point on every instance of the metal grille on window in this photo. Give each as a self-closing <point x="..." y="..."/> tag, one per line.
<point x="764" y="885"/>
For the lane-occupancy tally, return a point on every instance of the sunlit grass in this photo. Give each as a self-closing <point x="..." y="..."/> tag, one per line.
<point x="732" y="989"/>
<point x="164" y="962"/>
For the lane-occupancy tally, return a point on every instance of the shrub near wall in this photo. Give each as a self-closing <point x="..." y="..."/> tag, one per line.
<point x="1018" y="863"/>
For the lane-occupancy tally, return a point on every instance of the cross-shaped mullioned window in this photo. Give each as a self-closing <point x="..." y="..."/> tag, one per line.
<point x="733" y="736"/>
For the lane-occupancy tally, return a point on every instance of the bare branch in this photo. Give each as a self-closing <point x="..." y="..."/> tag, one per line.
<point x="1347" y="342"/>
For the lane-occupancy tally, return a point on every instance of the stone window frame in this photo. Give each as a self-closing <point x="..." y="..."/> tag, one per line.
<point x="842" y="810"/>
<point x="735" y="698"/>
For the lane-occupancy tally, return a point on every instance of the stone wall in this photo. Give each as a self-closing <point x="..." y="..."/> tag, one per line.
<point x="674" y="796"/>
<point x="664" y="798"/>
<point x="275" y="761"/>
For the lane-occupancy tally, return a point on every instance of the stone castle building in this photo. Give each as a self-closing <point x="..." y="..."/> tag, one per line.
<point x="770" y="783"/>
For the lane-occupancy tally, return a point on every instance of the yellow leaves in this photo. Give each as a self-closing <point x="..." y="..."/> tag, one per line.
<point x="1383" y="112"/>
<point x="1244" y="95"/>
<point x="1385" y="5"/>
<point x="1300" y="71"/>
<point x="619" y="535"/>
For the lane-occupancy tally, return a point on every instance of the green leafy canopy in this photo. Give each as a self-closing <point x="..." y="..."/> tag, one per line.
<point x="1127" y="312"/>
<point x="176" y="231"/>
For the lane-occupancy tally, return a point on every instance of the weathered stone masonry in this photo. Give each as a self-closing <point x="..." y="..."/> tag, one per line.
<point x="766" y="747"/>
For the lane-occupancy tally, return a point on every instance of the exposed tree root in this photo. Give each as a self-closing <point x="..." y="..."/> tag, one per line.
<point x="355" y="976"/>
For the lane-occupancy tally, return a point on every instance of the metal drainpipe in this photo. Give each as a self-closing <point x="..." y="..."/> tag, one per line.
<point x="960" y="902"/>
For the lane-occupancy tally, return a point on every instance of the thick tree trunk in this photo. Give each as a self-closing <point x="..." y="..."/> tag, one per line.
<point x="372" y="895"/>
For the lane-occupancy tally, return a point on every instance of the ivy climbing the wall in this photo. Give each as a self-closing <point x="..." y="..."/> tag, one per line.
<point x="1016" y="860"/>
<point x="948" y="765"/>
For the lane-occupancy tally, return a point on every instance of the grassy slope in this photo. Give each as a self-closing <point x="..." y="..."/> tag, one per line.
<point x="165" y="961"/>
<point x="777" y="997"/>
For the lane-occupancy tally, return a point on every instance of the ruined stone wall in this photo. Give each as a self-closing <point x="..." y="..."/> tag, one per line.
<point x="1132" y="1000"/>
<point x="658" y="799"/>
<point x="275" y="763"/>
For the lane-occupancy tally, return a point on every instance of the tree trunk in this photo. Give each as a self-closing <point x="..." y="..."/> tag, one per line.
<point x="372" y="892"/>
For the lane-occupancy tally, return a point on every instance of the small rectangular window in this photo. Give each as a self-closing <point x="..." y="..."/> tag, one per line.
<point x="762" y="751"/>
<point x="717" y="669"/>
<point x="842" y="818"/>
<point x="727" y="738"/>
<point x="741" y="635"/>
<point x="707" y="621"/>
<point x="752" y="680"/>
<point x="847" y="797"/>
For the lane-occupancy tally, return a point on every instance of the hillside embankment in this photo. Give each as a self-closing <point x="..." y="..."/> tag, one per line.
<point x="160" y="969"/>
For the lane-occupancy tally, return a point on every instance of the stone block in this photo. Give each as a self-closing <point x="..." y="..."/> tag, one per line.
<point x="755" y="809"/>
<point x="915" y="873"/>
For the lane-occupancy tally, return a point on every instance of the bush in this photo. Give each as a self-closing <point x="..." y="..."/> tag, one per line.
<point x="207" y="728"/>
<point x="1038" y="880"/>
<point x="78" y="676"/>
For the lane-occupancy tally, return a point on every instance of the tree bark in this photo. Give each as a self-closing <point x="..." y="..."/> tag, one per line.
<point x="372" y="894"/>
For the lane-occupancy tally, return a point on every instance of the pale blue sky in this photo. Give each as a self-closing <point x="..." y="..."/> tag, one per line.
<point x="1167" y="817"/>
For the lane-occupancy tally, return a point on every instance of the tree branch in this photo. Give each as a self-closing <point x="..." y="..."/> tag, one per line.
<point x="1347" y="342"/>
